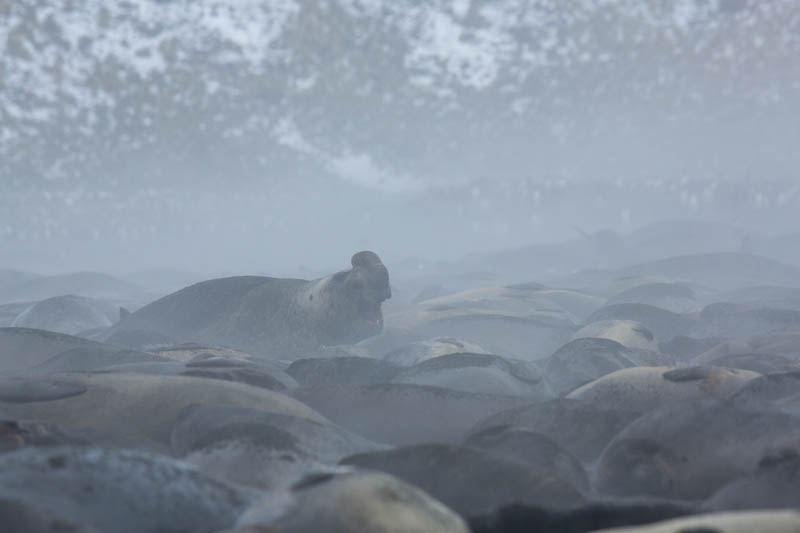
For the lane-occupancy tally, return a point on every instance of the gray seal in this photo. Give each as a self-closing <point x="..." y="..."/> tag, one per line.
<point x="271" y="316"/>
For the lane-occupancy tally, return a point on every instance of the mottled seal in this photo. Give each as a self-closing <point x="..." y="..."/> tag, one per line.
<point x="121" y="490"/>
<point x="253" y="447"/>
<point x="646" y="388"/>
<point x="479" y="373"/>
<point x="273" y="316"/>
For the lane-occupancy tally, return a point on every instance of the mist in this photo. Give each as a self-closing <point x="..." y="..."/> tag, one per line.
<point x="268" y="136"/>
<point x="371" y="266"/>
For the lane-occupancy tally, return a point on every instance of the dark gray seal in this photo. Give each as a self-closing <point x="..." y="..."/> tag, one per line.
<point x="533" y="449"/>
<point x="470" y="481"/>
<point x="404" y="413"/>
<point x="690" y="450"/>
<point x="581" y="428"/>
<point x="272" y="316"/>
<point x="584" y="360"/>
<point x="773" y="486"/>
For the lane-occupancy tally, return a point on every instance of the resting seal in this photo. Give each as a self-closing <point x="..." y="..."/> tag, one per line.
<point x="271" y="316"/>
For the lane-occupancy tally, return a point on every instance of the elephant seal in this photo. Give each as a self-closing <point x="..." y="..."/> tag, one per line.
<point x="350" y="502"/>
<point x="23" y="348"/>
<point x="720" y="270"/>
<point x="768" y="389"/>
<point x="646" y="388"/>
<point x="479" y="373"/>
<point x="732" y="522"/>
<point x="256" y="448"/>
<point x="757" y="362"/>
<point x="675" y="297"/>
<point x="690" y="450"/>
<point x="90" y="358"/>
<point x="121" y="490"/>
<point x="468" y="480"/>
<point x="584" y="360"/>
<point x="533" y="449"/>
<point x="341" y="370"/>
<point x="19" y="517"/>
<point x="582" y="428"/>
<point x="512" y="321"/>
<point x="411" y="353"/>
<point x="777" y="343"/>
<point x="15" y="434"/>
<point x="663" y="323"/>
<point x="119" y="406"/>
<point x="773" y="486"/>
<point x="739" y="321"/>
<point x="271" y="316"/>
<point x="68" y="314"/>
<point x="262" y="373"/>
<point x="9" y="312"/>
<point x="519" y="518"/>
<point x="429" y="414"/>
<point x="626" y="332"/>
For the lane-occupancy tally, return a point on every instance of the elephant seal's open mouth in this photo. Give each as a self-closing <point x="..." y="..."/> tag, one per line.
<point x="372" y="315"/>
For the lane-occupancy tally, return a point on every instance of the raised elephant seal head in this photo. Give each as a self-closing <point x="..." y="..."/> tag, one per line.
<point x="356" y="297"/>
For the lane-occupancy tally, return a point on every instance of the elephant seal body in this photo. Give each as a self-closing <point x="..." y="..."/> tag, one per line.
<point x="272" y="316"/>
<point x="68" y="314"/>
<point x="646" y="388"/>
<point x="734" y="522"/>
<point x="689" y="451"/>
<point x="371" y="502"/>
<point x="121" y="406"/>
<point x="584" y="360"/>
<point x="121" y="490"/>
<point x="626" y="332"/>
<point x="469" y="480"/>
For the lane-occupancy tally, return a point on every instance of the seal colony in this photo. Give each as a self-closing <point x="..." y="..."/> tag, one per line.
<point x="641" y="398"/>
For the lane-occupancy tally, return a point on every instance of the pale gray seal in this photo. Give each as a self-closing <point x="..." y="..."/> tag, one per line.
<point x="645" y="388"/>
<point x="68" y="314"/>
<point x="350" y="502"/>
<point x="469" y="480"/>
<point x="626" y="332"/>
<point x="732" y="522"/>
<point x="117" y="406"/>
<point x="692" y="449"/>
